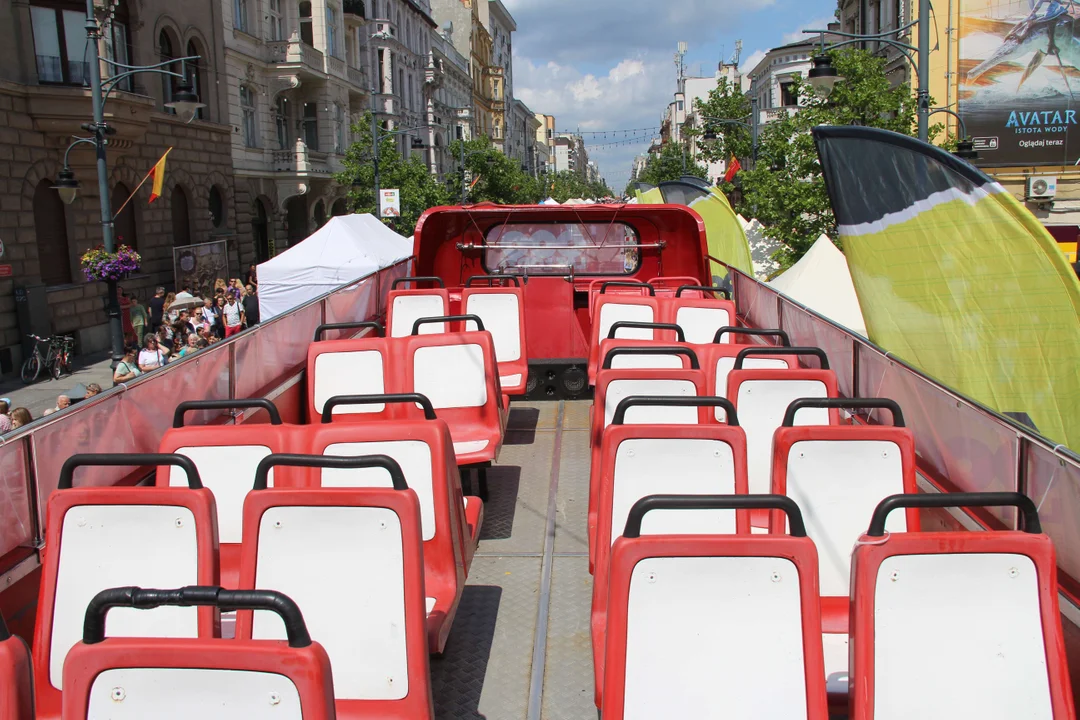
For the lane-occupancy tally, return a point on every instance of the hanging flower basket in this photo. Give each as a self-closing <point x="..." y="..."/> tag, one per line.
<point x="97" y="264"/>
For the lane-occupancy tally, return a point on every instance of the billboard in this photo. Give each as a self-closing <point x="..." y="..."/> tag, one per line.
<point x="199" y="266"/>
<point x="1019" y="83"/>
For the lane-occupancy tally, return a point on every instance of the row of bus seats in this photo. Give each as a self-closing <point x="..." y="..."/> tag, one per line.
<point x="294" y="505"/>
<point x="782" y="435"/>
<point x="500" y="309"/>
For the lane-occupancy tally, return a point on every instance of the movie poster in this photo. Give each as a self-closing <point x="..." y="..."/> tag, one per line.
<point x="1019" y="86"/>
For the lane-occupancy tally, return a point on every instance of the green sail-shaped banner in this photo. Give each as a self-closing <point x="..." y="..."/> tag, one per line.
<point x="956" y="277"/>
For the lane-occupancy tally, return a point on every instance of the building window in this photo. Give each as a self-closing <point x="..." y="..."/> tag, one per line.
<point x="281" y="121"/>
<point x="311" y="125"/>
<point x="50" y="227"/>
<point x="194" y="75"/>
<point x="331" y="32"/>
<point x="60" y="45"/>
<point x="307" y="35"/>
<point x="247" y="112"/>
<point x="240" y="15"/>
<point x="118" y="47"/>
<point x="217" y="207"/>
<point x="168" y="82"/>
<point x="274" y="16"/>
<point x="787" y="97"/>
<point x="181" y="223"/>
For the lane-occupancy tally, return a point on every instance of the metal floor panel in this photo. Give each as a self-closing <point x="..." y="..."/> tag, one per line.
<point x="568" y="672"/>
<point x="484" y="673"/>
<point x="538" y="416"/>
<point x="573" y="497"/>
<point x="576" y="415"/>
<point x="516" y="512"/>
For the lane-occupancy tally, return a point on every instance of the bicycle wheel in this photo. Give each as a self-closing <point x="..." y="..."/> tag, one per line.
<point x="31" y="368"/>
<point x="56" y="367"/>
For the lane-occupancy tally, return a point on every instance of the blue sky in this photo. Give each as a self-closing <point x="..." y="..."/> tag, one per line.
<point x="607" y="64"/>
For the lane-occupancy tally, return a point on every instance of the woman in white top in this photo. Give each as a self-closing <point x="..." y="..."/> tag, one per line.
<point x="151" y="357"/>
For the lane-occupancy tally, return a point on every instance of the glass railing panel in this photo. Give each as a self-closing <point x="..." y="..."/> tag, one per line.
<point x="805" y="329"/>
<point x="1053" y="482"/>
<point x="16" y="523"/>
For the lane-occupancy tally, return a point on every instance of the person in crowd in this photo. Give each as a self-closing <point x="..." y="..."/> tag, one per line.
<point x="151" y="357"/>
<point x="233" y="314"/>
<point x="165" y="338"/>
<point x="207" y="315"/>
<point x="20" y="416"/>
<point x="191" y="346"/>
<point x="63" y="402"/>
<point x="157" y="308"/>
<point x="203" y="343"/>
<point x="180" y="331"/>
<point x="253" y="276"/>
<point x="127" y="369"/>
<point x="219" y="287"/>
<point x="184" y="318"/>
<point x="139" y="319"/>
<point x="170" y="315"/>
<point x="251" y="307"/>
<point x="219" y="327"/>
<point x="91" y="390"/>
<point x="5" y="419"/>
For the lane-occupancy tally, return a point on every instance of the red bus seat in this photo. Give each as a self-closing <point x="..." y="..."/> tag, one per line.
<point x="712" y="627"/>
<point x="669" y="286"/>
<point x="615" y="287"/>
<point x="208" y="679"/>
<point x="457" y="372"/>
<point x="104" y="537"/>
<point x="982" y="607"/>
<point x="405" y="307"/>
<point x="643" y="460"/>
<point x="665" y="334"/>
<point x="837" y="475"/>
<point x="762" y="397"/>
<point x="699" y="317"/>
<point x="718" y="358"/>
<point x="355" y="366"/>
<point x="16" y="677"/>
<point x="226" y="457"/>
<point x="353" y="559"/>
<point x="502" y="310"/>
<point x="611" y="308"/>
<point x="425" y="453"/>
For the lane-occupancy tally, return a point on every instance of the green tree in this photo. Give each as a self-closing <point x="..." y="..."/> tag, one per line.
<point x="498" y="178"/>
<point x="564" y="185"/>
<point x="419" y="188"/>
<point x="783" y="186"/>
<point x="668" y="164"/>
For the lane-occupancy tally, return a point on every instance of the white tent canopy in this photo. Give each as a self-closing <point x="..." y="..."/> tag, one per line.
<point x="821" y="281"/>
<point x="346" y="248"/>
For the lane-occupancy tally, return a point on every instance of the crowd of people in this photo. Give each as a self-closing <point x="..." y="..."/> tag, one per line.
<point x="174" y="325"/>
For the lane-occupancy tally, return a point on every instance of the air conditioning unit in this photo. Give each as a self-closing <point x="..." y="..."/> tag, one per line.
<point x="1042" y="187"/>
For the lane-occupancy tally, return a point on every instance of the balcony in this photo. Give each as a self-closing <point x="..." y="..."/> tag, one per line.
<point x="298" y="57"/>
<point x="356" y="76"/>
<point x="335" y="66"/>
<point x="385" y="34"/>
<point x="301" y="161"/>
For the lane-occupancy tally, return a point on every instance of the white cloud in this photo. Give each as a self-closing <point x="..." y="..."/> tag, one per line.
<point x="821" y="23"/>
<point x="750" y="62"/>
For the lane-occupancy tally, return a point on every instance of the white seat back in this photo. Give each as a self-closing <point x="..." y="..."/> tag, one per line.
<point x="701" y="323"/>
<point x="414" y="457"/>
<point x="500" y="313"/>
<point x="407" y="309"/>
<point x="451" y="376"/>
<point x="358" y="372"/>
<point x="227" y="471"/>
<point x="611" y="313"/>
<point x="344" y="567"/>
<point x="638" y="415"/>
<point x="713" y="638"/>
<point x="724" y="366"/>
<point x="837" y="484"/>
<point x="672" y="466"/>
<point x="107" y="546"/>
<point x="762" y="404"/>
<point x="987" y="606"/>
<point x="186" y="693"/>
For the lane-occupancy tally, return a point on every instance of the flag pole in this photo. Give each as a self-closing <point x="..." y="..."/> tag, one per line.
<point x="141" y="183"/>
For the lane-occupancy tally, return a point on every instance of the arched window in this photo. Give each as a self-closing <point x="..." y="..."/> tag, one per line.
<point x="307" y="34"/>
<point x="338" y="208"/>
<point x="50" y="226"/>
<point x="296" y="217"/>
<point x="193" y="71"/>
<point x="181" y="223"/>
<point x="217" y="207"/>
<point x="124" y="224"/>
<point x="260" y="229"/>
<point x="168" y="82"/>
<point x="320" y="214"/>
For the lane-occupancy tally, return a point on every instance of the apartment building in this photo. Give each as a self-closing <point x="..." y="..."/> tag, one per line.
<point x="450" y="99"/>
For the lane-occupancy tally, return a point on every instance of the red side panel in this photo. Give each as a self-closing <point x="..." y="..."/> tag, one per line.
<point x="16" y="686"/>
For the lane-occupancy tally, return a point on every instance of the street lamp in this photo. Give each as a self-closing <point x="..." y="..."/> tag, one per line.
<point x="965" y="148"/>
<point x="752" y="126"/>
<point x="186" y="103"/>
<point x="823" y="76"/>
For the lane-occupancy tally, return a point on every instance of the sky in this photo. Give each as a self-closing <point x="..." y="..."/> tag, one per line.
<point x="609" y="64"/>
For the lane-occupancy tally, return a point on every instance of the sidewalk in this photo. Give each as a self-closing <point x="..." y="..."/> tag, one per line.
<point x="41" y="396"/>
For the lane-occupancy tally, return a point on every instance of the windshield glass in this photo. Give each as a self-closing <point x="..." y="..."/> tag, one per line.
<point x="555" y="248"/>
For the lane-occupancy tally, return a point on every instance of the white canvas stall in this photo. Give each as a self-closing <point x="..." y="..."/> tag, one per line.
<point x="346" y="248"/>
<point x="821" y="281"/>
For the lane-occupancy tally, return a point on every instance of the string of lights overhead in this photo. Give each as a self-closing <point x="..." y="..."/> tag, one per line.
<point x="625" y="132"/>
<point x="617" y="143"/>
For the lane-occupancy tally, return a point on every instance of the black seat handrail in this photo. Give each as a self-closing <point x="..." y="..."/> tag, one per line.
<point x="336" y="462"/>
<point x="238" y="404"/>
<point x="387" y="399"/>
<point x="447" y="318"/>
<point x="714" y="502"/>
<point x="956" y="500"/>
<point x="67" y="471"/>
<point x="765" y="350"/>
<point x="704" y="288"/>
<point x="674" y="401"/>
<point x="627" y="283"/>
<point x="658" y="350"/>
<point x="844" y="403"/>
<point x="785" y="341"/>
<point x="418" y="279"/>
<point x="680" y="336"/>
<point x="379" y="328"/>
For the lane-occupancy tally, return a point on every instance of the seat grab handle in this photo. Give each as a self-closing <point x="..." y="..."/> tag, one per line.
<point x="714" y="502"/>
<point x="418" y="279"/>
<point x="704" y="288"/>
<point x="731" y="330"/>
<point x="674" y="401"/>
<point x="239" y="404"/>
<point x="489" y="279"/>
<point x="627" y="284"/>
<point x="679" y="334"/>
<point x="657" y="350"/>
<point x="844" y="403"/>
<point x="447" y="318"/>
<point x="816" y="352"/>
<point x="956" y="500"/>
<point x="67" y="472"/>
<point x="380" y="330"/>
<point x="338" y="462"/>
<point x="337" y="400"/>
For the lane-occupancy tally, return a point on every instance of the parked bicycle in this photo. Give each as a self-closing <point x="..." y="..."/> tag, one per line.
<point x="57" y="360"/>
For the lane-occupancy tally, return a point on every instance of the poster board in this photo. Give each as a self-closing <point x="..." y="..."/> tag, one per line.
<point x="1018" y="80"/>
<point x="389" y="203"/>
<point x="200" y="265"/>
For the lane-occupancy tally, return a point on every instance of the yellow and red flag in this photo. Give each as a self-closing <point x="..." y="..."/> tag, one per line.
<point x="158" y="173"/>
<point x="732" y="168"/>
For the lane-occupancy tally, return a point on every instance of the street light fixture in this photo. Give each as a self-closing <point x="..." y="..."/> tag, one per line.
<point x="185" y="102"/>
<point x="965" y="148"/>
<point x="66" y="185"/>
<point x="823" y="76"/>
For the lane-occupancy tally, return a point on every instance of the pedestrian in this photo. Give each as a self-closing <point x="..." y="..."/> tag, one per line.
<point x="219" y="305"/>
<point x="151" y="357"/>
<point x="184" y="318"/>
<point x="253" y="276"/>
<point x="170" y="314"/>
<point x="91" y="390"/>
<point x="157" y="309"/>
<point x="251" y="307"/>
<point x="20" y="416"/>
<point x="127" y="369"/>
<point x="5" y="419"/>
<point x="63" y="402"/>
<point x="138" y="317"/>
<point x="233" y="314"/>
<point x="208" y="315"/>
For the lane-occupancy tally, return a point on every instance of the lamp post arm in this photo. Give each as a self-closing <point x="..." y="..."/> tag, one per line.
<point x="109" y="84"/>
<point x="78" y="141"/>
<point x="959" y="120"/>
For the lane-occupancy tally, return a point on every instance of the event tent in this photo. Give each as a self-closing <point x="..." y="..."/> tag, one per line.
<point x="821" y="281"/>
<point x="346" y="248"/>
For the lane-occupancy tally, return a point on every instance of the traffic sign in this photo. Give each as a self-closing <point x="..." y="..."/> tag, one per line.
<point x="390" y="203"/>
